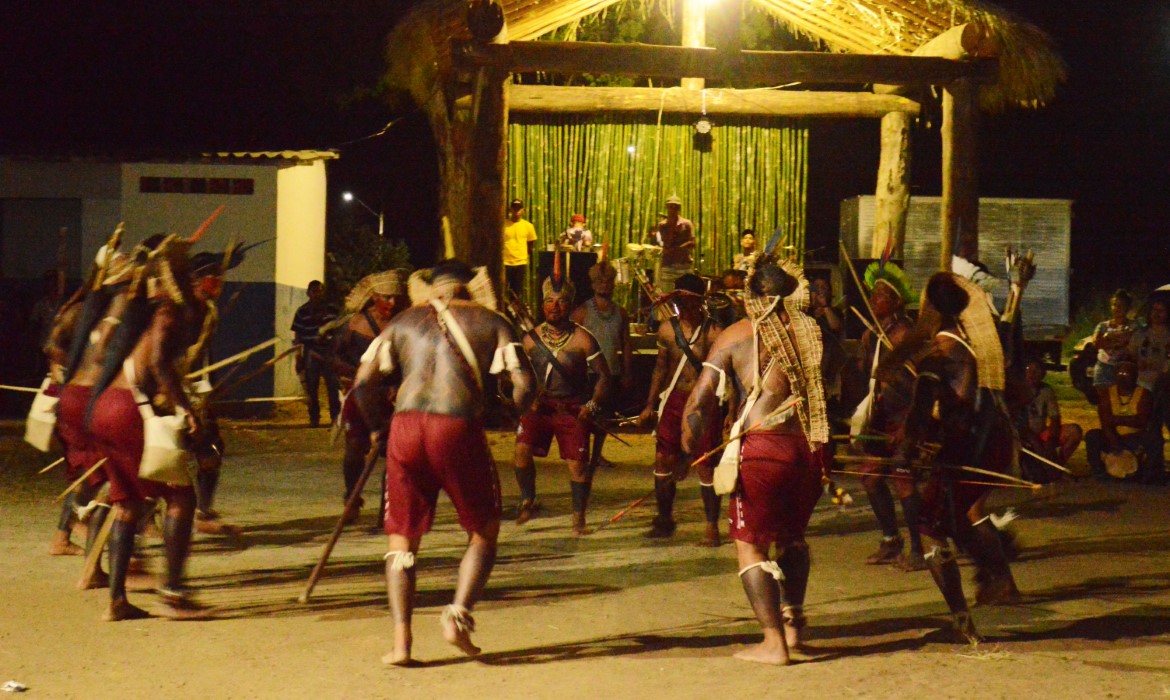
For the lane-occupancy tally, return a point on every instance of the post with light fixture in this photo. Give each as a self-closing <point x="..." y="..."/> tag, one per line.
<point x="694" y="34"/>
<point x="350" y="197"/>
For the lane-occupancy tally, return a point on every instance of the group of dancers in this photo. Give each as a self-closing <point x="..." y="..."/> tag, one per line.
<point x="742" y="402"/>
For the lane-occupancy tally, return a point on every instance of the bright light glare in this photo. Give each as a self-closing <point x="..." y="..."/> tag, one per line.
<point x="347" y="196"/>
<point x="630" y="149"/>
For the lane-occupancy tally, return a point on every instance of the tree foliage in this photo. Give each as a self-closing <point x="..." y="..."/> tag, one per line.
<point x="353" y="251"/>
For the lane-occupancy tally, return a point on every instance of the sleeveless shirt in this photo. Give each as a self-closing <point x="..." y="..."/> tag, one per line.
<point x="607" y="329"/>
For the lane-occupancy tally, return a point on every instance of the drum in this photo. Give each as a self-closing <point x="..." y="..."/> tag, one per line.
<point x="625" y="271"/>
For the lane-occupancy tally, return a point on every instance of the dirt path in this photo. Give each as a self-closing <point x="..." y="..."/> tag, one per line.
<point x="608" y="616"/>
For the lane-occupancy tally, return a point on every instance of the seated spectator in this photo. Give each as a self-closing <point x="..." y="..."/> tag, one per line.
<point x="1124" y="409"/>
<point x="1111" y="338"/>
<point x="1041" y="430"/>
<point x="1150" y="347"/>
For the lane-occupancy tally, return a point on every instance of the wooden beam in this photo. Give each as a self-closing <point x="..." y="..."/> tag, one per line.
<point x="960" y="166"/>
<point x="960" y="43"/>
<point x="547" y="99"/>
<point x="892" y="196"/>
<point x="770" y="67"/>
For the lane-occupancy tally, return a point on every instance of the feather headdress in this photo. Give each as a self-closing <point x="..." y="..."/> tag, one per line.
<point x="882" y="271"/>
<point x="422" y="288"/>
<point x="558" y="283"/>
<point x="603" y="270"/>
<point x="388" y="283"/>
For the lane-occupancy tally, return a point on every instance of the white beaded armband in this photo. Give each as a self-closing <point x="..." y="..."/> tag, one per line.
<point x="507" y="358"/>
<point x="380" y="353"/>
<point x="721" y="391"/>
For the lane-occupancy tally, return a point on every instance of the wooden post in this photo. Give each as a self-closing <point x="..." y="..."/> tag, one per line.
<point x="893" y="185"/>
<point x="694" y="34"/>
<point x="487" y="173"/>
<point x="960" y="185"/>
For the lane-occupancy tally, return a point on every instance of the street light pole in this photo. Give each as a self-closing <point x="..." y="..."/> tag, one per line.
<point x="349" y="197"/>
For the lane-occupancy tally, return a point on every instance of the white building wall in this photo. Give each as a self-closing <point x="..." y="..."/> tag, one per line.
<point x="300" y="252"/>
<point x="96" y="185"/>
<point x="251" y="218"/>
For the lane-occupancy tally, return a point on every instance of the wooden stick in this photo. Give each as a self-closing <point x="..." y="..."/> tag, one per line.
<point x="50" y="467"/>
<point x="622" y="513"/>
<point x="869" y="326"/>
<point x="80" y="479"/>
<point x="1049" y="462"/>
<point x="997" y="484"/>
<point x="864" y="296"/>
<point x="234" y="358"/>
<point x="973" y="470"/>
<point x="25" y="389"/>
<point x="788" y="403"/>
<point x="350" y="506"/>
<point x="221" y="389"/>
<point x="94" y="556"/>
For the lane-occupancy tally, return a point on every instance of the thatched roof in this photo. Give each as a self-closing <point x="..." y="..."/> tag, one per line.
<point x="1030" y="69"/>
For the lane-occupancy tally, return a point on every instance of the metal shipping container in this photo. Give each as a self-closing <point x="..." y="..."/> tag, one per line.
<point x="1041" y="225"/>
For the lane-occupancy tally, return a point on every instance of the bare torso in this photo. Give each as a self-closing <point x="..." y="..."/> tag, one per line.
<point x="433" y="376"/>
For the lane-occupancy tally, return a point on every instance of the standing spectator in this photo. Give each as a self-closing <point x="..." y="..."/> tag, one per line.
<point x="577" y="236"/>
<point x="519" y="237"/>
<point x="1111" y="338"/>
<point x="313" y="361"/>
<point x="676" y="235"/>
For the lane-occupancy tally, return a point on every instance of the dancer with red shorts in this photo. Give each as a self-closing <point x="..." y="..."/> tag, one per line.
<point x="164" y="315"/>
<point x="442" y="349"/>
<point x="769" y="358"/>
<point x="683" y="343"/>
<point x="973" y="429"/>
<point x="372" y="303"/>
<point x="563" y="355"/>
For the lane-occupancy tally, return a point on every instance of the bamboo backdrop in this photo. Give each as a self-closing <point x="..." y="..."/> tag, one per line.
<point x="754" y="175"/>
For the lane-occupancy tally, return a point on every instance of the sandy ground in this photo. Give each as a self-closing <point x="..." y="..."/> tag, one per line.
<point x="612" y="615"/>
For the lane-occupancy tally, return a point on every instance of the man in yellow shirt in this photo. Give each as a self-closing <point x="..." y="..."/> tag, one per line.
<point x="519" y="235"/>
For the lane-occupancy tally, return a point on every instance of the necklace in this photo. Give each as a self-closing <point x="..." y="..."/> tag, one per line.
<point x="554" y="337"/>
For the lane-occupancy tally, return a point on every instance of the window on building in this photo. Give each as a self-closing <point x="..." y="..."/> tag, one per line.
<point x="197" y="185"/>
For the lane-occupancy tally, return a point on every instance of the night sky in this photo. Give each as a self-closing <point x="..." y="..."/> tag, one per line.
<point x="165" y="78"/>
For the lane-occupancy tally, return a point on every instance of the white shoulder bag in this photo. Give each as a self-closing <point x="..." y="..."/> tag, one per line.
<point x="164" y="457"/>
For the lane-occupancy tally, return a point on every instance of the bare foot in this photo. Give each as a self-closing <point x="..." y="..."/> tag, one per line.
<point x="794" y="624"/>
<point x="99" y="579"/>
<point x="579" y="527"/>
<point x="765" y="653"/>
<point x="397" y="658"/>
<point x="121" y="609"/>
<point x="793" y="637"/>
<point x="215" y="527"/>
<point x="60" y="546"/>
<point x="711" y="536"/>
<point x="457" y="626"/>
<point x="400" y="655"/>
<point x="179" y="605"/>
